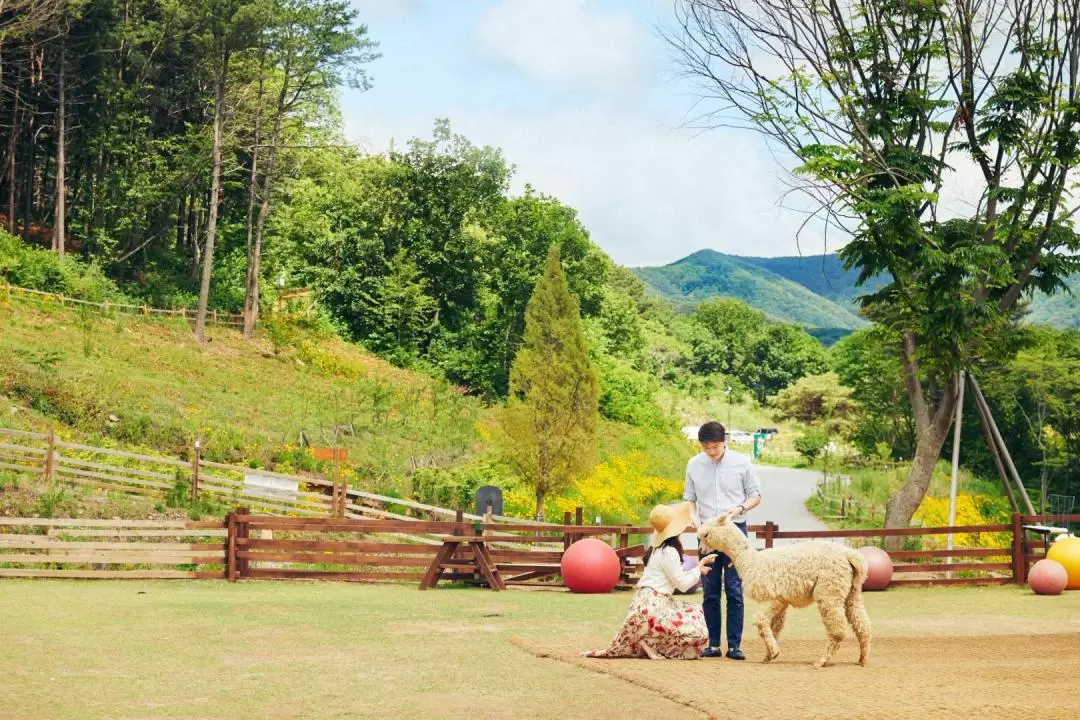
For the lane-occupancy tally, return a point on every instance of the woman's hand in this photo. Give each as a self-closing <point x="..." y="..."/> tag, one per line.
<point x="705" y="564"/>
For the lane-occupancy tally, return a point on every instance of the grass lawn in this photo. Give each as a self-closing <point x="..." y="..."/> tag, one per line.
<point x="136" y="649"/>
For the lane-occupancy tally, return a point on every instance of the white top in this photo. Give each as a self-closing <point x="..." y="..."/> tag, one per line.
<point x="717" y="486"/>
<point x="665" y="573"/>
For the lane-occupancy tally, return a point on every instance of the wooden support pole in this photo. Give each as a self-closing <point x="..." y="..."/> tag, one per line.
<point x="957" y="427"/>
<point x="195" y="472"/>
<point x="995" y="455"/>
<point x="50" y="456"/>
<point x="1001" y="445"/>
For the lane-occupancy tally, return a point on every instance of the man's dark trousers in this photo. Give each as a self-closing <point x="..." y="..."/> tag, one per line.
<point x="723" y="573"/>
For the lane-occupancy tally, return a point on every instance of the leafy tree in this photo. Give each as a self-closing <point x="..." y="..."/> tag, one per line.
<point x="878" y="100"/>
<point x="550" y="418"/>
<point x="811" y="444"/>
<point x="308" y="47"/>
<point x="868" y="363"/>
<point x="724" y="330"/>
<point x="780" y="356"/>
<point x="818" y="400"/>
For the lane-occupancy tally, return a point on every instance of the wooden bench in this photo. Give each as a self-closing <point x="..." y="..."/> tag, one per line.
<point x="480" y="560"/>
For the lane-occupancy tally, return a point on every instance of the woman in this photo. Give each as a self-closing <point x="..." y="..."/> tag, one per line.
<point x="657" y="625"/>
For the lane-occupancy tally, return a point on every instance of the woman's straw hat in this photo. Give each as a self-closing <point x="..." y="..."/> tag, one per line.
<point x="667" y="521"/>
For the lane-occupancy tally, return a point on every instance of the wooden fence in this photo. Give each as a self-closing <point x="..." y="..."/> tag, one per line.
<point x="530" y="553"/>
<point x="12" y="292"/>
<point x="84" y="548"/>
<point x="45" y="456"/>
<point x="251" y="546"/>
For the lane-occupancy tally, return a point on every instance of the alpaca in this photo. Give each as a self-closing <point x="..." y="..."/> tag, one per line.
<point x="796" y="575"/>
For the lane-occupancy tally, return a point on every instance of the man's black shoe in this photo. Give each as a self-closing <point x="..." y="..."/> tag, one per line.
<point x="711" y="652"/>
<point x="736" y="654"/>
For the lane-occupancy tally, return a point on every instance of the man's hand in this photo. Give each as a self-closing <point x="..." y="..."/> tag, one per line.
<point x="736" y="510"/>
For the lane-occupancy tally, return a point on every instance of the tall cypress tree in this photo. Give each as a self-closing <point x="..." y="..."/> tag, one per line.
<point x="550" y="418"/>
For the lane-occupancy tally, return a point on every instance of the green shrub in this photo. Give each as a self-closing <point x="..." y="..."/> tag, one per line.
<point x="811" y="444"/>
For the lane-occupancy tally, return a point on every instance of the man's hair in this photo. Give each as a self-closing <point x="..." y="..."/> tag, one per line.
<point x="711" y="432"/>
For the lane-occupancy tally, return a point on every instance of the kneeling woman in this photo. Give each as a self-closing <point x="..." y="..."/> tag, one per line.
<point x="657" y="625"/>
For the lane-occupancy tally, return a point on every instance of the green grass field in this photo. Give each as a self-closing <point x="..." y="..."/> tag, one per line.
<point x="209" y="649"/>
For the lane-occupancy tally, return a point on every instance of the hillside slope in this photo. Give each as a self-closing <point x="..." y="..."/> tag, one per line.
<point x="707" y="274"/>
<point x="826" y="294"/>
<point x="145" y="385"/>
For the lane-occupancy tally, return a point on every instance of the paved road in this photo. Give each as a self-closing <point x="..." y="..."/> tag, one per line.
<point x="783" y="500"/>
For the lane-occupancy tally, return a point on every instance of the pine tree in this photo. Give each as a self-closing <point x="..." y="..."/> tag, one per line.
<point x="549" y="423"/>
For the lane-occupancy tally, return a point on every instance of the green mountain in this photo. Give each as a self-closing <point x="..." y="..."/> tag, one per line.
<point x="814" y="291"/>
<point x="762" y="283"/>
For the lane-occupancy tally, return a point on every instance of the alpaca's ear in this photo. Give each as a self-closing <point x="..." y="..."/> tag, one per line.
<point x="723" y="519"/>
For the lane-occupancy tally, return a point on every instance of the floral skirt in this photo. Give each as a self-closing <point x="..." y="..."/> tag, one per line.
<point x="658" y="625"/>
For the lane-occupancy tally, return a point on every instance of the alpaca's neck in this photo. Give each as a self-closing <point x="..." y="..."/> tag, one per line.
<point x="743" y="557"/>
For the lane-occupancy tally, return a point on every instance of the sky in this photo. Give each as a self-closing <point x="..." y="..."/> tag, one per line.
<point x="584" y="98"/>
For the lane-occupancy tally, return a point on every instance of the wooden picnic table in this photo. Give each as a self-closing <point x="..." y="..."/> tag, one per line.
<point x="447" y="559"/>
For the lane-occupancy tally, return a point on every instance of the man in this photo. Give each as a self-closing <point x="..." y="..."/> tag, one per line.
<point x="720" y="481"/>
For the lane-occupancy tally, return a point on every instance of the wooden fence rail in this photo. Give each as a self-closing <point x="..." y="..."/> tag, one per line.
<point x="11" y="292"/>
<point x="115" y="549"/>
<point x="253" y="546"/>
<point x="43" y="455"/>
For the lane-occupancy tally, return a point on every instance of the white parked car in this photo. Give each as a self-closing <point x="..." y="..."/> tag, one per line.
<point x="740" y="437"/>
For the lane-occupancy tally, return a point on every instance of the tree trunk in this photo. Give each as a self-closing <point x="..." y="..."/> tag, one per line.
<point x="251" y="304"/>
<point x="194" y="213"/>
<point x="28" y="180"/>
<point x="13" y="145"/>
<point x="539" y="514"/>
<point x="251" y="287"/>
<point x="215" y="188"/>
<point x="933" y="426"/>
<point x="59" y="229"/>
<point x="181" y="223"/>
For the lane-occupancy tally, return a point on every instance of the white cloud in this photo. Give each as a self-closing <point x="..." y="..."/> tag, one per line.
<point x="561" y="40"/>
<point x="648" y="194"/>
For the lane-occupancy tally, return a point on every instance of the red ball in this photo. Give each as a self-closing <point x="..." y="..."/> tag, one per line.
<point x="879" y="568"/>
<point x="590" y="566"/>
<point x="1048" y="577"/>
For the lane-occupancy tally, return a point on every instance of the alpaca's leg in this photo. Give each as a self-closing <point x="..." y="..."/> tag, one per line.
<point x="778" y="621"/>
<point x="860" y="623"/>
<point x="835" y="621"/>
<point x="767" y="623"/>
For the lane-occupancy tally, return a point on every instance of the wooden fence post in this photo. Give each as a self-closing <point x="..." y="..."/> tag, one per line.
<point x="230" y="548"/>
<point x="770" y="528"/>
<point x="1019" y="561"/>
<point x="50" y="456"/>
<point x="195" y="472"/>
<point x="624" y="560"/>
<point x="579" y="520"/>
<point x="242" y="531"/>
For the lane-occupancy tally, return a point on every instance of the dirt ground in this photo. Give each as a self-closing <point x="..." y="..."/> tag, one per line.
<point x="206" y="650"/>
<point x="966" y="676"/>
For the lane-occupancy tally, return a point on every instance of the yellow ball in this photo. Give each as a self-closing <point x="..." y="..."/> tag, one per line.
<point x="1067" y="552"/>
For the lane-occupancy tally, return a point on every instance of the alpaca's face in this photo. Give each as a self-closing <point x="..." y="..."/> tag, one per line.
<point x="720" y="534"/>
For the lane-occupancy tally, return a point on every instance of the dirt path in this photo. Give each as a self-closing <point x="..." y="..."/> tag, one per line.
<point x="1005" y="676"/>
<point x="784" y="492"/>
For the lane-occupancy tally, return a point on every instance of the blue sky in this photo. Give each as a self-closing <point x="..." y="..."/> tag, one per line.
<point x="583" y="97"/>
